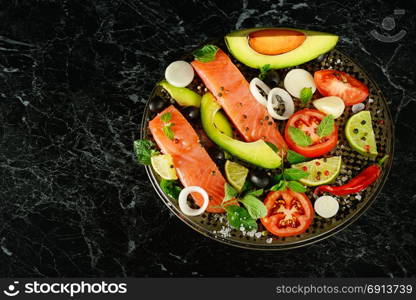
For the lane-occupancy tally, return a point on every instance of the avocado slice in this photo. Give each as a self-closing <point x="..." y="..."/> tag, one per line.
<point x="182" y="95"/>
<point x="257" y="153"/>
<point x="314" y="44"/>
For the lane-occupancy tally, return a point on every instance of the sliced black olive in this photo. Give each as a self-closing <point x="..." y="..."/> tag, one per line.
<point x="259" y="178"/>
<point x="157" y="104"/>
<point x="191" y="113"/>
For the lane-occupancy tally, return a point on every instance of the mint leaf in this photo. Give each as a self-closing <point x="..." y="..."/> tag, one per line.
<point x="305" y="95"/>
<point x="170" y="188"/>
<point x="278" y="177"/>
<point x="273" y="146"/>
<point x="295" y="158"/>
<point x="206" y="53"/>
<point x="294" y="174"/>
<point x="263" y="71"/>
<point x="326" y="127"/>
<point x="254" y="206"/>
<point x="255" y="193"/>
<point x="239" y="217"/>
<point x="296" y="186"/>
<point x="299" y="137"/>
<point x="168" y="132"/>
<point x="281" y="186"/>
<point x="143" y="150"/>
<point x="229" y="192"/>
<point x="166" y="117"/>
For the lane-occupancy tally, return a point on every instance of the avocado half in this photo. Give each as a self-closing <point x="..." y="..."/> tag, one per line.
<point x="315" y="44"/>
<point x="257" y="153"/>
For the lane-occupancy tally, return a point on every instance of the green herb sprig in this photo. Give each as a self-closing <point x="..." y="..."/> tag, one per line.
<point x="206" y="53"/>
<point x="167" y="130"/>
<point x="144" y="151"/>
<point x="239" y="216"/>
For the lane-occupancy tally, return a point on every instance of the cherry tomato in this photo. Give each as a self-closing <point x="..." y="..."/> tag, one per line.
<point x="288" y="213"/>
<point x="307" y="120"/>
<point x="340" y="84"/>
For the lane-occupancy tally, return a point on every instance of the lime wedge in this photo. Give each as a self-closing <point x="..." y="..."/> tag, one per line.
<point x="163" y="165"/>
<point x="236" y="174"/>
<point x="321" y="171"/>
<point x="360" y="134"/>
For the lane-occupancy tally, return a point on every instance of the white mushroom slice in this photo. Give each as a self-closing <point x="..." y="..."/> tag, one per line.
<point x="255" y="84"/>
<point x="276" y="95"/>
<point x="183" y="200"/>
<point x="331" y="105"/>
<point x="326" y="206"/>
<point x="296" y="80"/>
<point x="179" y="73"/>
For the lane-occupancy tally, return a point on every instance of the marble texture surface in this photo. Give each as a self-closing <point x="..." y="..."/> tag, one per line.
<point x="74" y="77"/>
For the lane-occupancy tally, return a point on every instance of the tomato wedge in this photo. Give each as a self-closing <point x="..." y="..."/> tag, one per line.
<point x="340" y="84"/>
<point x="307" y="120"/>
<point x="288" y="213"/>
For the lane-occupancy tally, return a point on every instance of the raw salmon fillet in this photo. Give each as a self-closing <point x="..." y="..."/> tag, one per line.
<point x="193" y="164"/>
<point x="232" y="92"/>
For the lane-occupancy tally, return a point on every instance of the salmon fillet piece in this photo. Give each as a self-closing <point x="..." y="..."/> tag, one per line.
<point x="193" y="164"/>
<point x="225" y="81"/>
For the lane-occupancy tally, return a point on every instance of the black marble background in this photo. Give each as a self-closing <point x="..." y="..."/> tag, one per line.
<point x="74" y="77"/>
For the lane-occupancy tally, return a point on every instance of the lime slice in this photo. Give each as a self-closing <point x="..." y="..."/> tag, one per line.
<point x="321" y="171"/>
<point x="360" y="134"/>
<point x="236" y="174"/>
<point x="163" y="165"/>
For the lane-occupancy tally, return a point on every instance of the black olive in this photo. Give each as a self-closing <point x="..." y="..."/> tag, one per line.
<point x="272" y="78"/>
<point x="259" y="178"/>
<point x="157" y="104"/>
<point x="191" y="113"/>
<point x="218" y="156"/>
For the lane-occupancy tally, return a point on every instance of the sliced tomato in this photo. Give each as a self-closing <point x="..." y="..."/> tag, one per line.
<point x="340" y="84"/>
<point x="308" y="120"/>
<point x="288" y="213"/>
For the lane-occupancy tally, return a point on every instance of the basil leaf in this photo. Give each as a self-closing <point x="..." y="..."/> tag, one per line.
<point x="273" y="146"/>
<point x="166" y="117"/>
<point x="229" y="191"/>
<point x="326" y="126"/>
<point x="255" y="193"/>
<point x="294" y="174"/>
<point x="168" y="132"/>
<point x="254" y="206"/>
<point x="278" y="177"/>
<point x="170" y="188"/>
<point x="299" y="137"/>
<point x="281" y="186"/>
<point x="263" y="71"/>
<point x="239" y="217"/>
<point x="295" y="158"/>
<point x="143" y="150"/>
<point x="296" y="186"/>
<point x="305" y="95"/>
<point x="206" y="53"/>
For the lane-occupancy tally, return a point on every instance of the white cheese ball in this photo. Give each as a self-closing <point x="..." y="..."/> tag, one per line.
<point x="179" y="73"/>
<point x="296" y="80"/>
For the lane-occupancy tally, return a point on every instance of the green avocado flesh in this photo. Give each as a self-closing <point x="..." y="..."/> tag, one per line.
<point x="257" y="153"/>
<point x="182" y="95"/>
<point x="315" y="44"/>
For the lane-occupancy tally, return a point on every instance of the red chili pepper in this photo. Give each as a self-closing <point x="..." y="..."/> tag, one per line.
<point x="357" y="184"/>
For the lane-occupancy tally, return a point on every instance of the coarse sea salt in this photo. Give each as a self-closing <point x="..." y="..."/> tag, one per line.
<point x="357" y="107"/>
